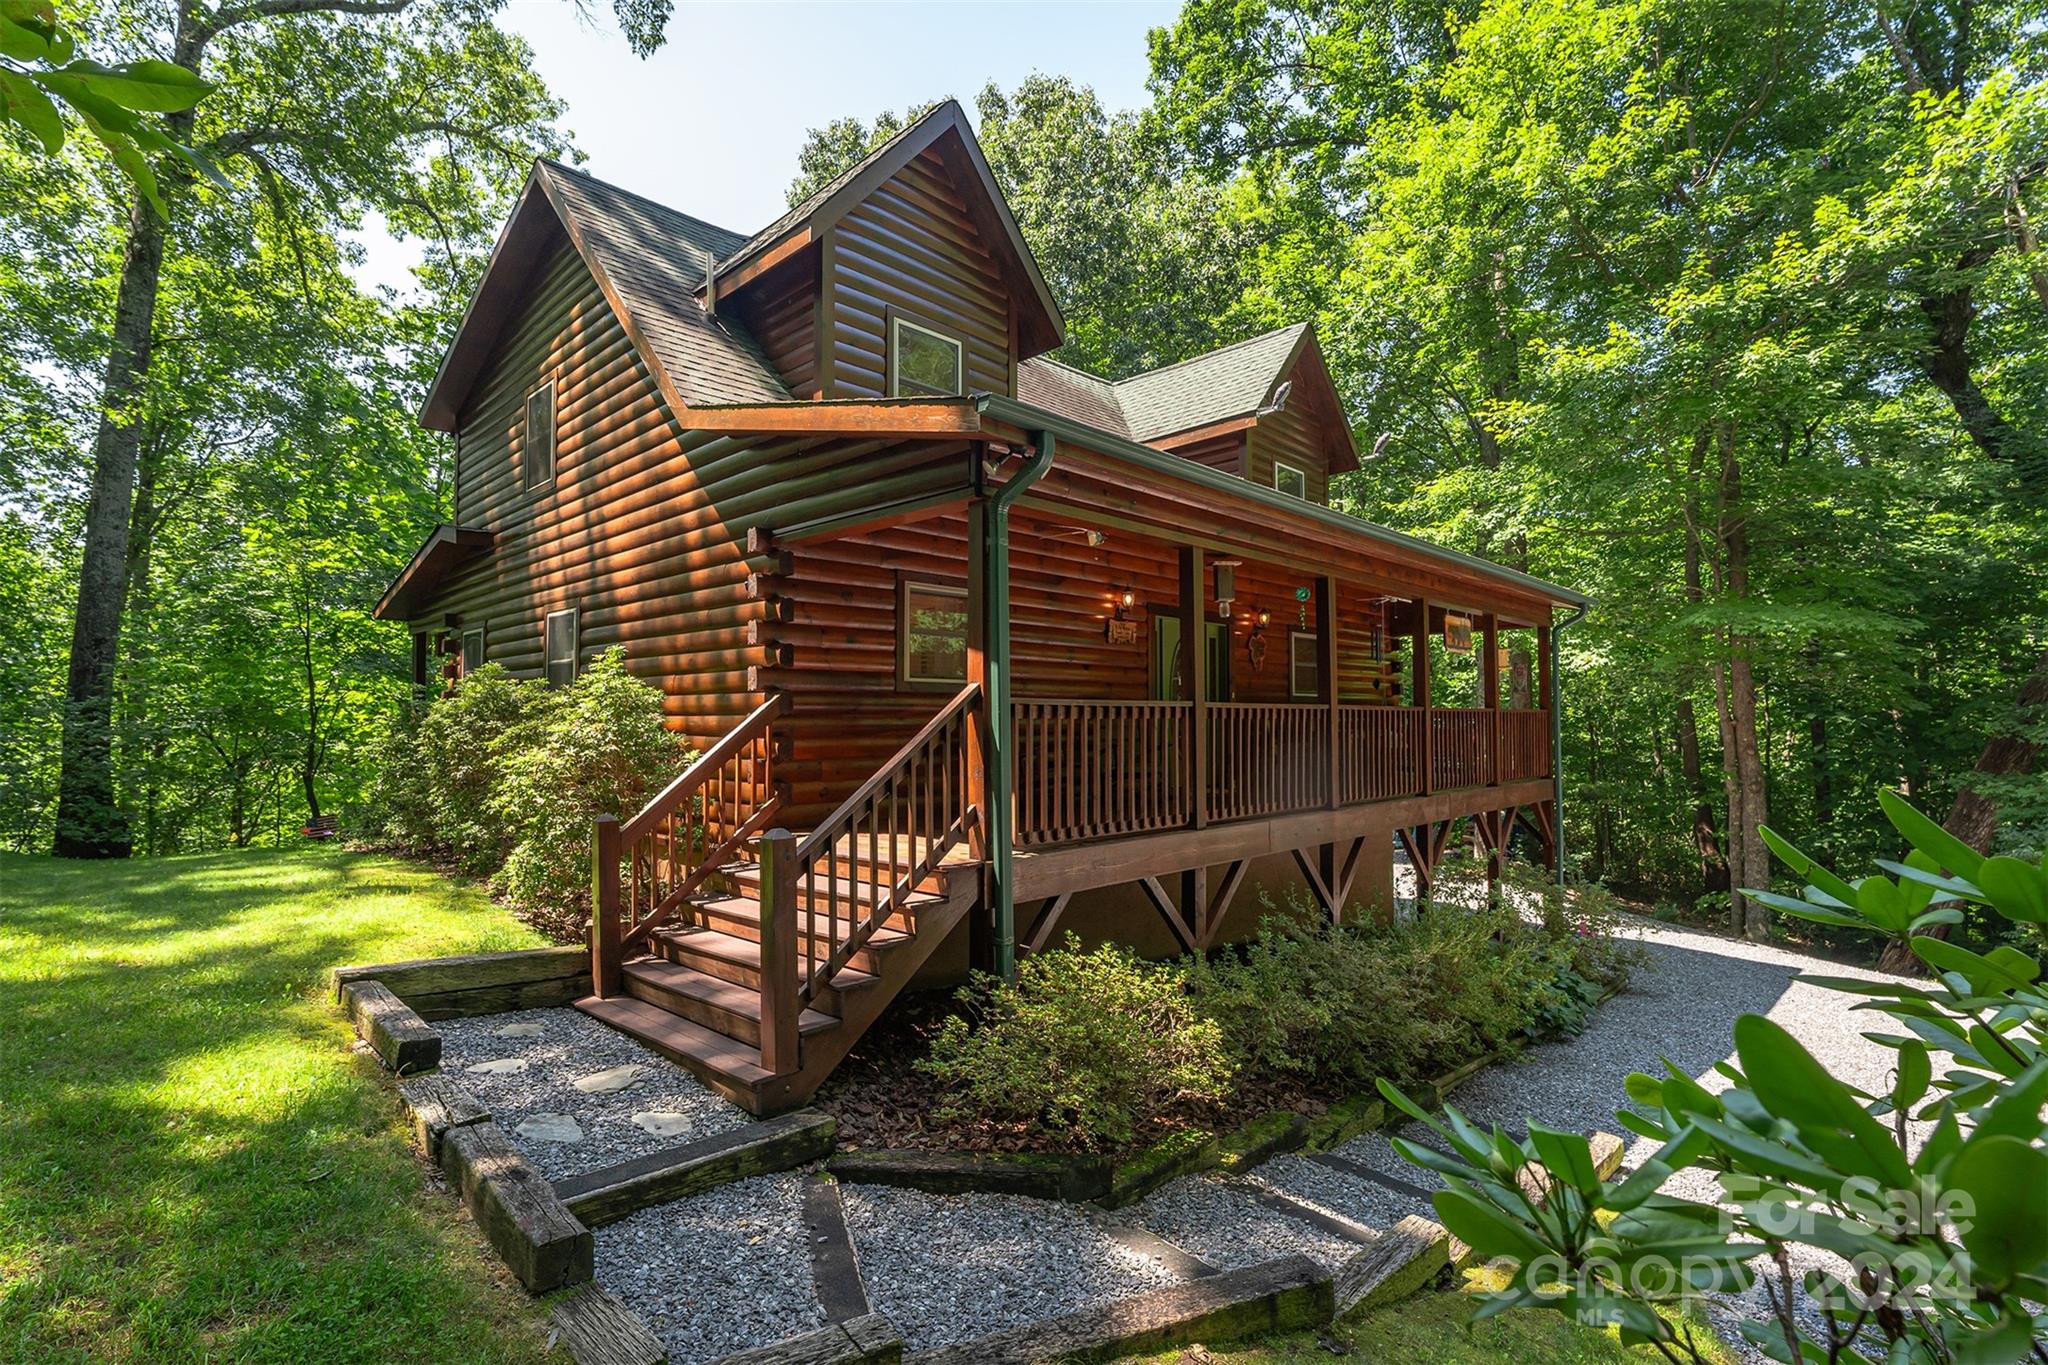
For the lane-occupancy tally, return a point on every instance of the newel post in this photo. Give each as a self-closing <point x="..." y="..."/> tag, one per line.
<point x="604" y="908"/>
<point x="778" y="952"/>
<point x="1326" y="688"/>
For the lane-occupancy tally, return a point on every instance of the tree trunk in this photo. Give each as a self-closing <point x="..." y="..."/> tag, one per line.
<point x="89" y="822"/>
<point x="1973" y="817"/>
<point x="1950" y="366"/>
<point x="1736" y="694"/>
<point x="1706" y="838"/>
<point x="309" y="770"/>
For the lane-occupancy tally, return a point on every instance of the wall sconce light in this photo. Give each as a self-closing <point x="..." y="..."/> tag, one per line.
<point x="1124" y="603"/>
<point x="1265" y="618"/>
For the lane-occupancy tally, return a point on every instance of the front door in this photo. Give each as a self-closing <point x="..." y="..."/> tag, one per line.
<point x="1167" y="665"/>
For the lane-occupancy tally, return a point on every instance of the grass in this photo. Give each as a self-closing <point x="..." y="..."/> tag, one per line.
<point x="193" y="1164"/>
<point x="1437" y="1327"/>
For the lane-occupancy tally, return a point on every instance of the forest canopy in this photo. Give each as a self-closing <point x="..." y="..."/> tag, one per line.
<point x="1729" y="314"/>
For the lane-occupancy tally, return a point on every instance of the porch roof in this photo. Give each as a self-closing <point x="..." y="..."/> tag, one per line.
<point x="998" y="409"/>
<point x="445" y="548"/>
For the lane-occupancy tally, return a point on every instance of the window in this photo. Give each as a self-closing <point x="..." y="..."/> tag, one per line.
<point x="539" y="450"/>
<point x="1290" y="480"/>
<point x="419" y="659"/>
<point x="1301" y="664"/>
<point x="921" y="361"/>
<point x="561" y="642"/>
<point x="472" y="651"/>
<point x="931" y="625"/>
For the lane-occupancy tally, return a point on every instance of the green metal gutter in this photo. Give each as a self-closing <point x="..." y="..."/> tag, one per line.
<point x="1000" y="817"/>
<point x="1038" y="420"/>
<point x="1557" y="737"/>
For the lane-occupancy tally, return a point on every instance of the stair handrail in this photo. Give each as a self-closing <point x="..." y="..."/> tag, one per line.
<point x="954" y="818"/>
<point x="622" y="917"/>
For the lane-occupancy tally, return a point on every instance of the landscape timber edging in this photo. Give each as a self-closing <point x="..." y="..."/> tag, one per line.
<point x="479" y="983"/>
<point x="400" y="1038"/>
<point x="1282" y="1295"/>
<point x="779" y="1144"/>
<point x="596" y="1329"/>
<point x="433" y="1105"/>
<point x="532" y="1230"/>
<point x="868" y="1340"/>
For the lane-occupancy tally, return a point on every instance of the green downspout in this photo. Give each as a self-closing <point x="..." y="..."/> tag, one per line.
<point x="1557" y="734"/>
<point x="1000" y="816"/>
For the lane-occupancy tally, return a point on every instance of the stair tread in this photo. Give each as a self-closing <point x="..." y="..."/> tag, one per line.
<point x="746" y="952"/>
<point x="859" y="889"/>
<point x="671" y="1032"/>
<point x="687" y="981"/>
<point x="741" y="908"/>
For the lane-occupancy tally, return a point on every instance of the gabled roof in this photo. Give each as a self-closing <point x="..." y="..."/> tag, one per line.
<point x="944" y="128"/>
<point x="648" y="260"/>
<point x="1238" y="380"/>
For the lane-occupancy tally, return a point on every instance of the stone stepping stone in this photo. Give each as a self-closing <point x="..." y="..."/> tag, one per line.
<point x="503" y="1066"/>
<point x="561" y="1128"/>
<point x="525" y="1028"/>
<point x="610" y="1081"/>
<point x="663" y="1124"/>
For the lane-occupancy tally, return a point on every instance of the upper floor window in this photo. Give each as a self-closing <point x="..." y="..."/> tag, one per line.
<point x="1290" y="480"/>
<point x="472" y="651"/>
<point x="539" y="446"/>
<point x="932" y="633"/>
<point x="561" y="647"/>
<point x="922" y="362"/>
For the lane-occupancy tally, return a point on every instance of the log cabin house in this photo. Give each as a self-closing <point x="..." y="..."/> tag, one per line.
<point x="975" y="647"/>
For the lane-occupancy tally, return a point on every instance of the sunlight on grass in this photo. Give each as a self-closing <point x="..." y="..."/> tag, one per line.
<point x="193" y="1165"/>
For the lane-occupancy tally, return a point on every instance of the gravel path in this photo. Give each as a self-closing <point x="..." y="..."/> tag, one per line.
<point x="1220" y="1220"/>
<point x="719" y="1272"/>
<point x="949" y="1268"/>
<point x="531" y="1063"/>
<point x="1681" y="1006"/>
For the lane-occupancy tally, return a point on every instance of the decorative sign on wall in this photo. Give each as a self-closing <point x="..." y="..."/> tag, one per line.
<point x="1457" y="633"/>
<point x="1120" y="632"/>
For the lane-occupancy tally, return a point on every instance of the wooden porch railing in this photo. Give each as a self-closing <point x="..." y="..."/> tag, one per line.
<point x="823" y="899"/>
<point x="1524" y="744"/>
<point x="645" y="868"/>
<point x="1095" y="769"/>
<point x="1266" y="759"/>
<point x="1461" y="739"/>
<point x="1379" y="750"/>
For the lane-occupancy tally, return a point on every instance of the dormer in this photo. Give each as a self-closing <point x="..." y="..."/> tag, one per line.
<point x="903" y="276"/>
<point x="1264" y="409"/>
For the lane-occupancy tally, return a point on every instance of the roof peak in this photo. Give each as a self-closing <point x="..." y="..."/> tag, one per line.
<point x="1224" y="349"/>
<point x="616" y="188"/>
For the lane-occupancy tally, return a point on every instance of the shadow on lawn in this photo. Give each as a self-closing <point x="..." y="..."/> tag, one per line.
<point x="191" y="1162"/>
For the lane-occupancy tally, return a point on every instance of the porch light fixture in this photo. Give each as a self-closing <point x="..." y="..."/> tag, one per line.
<point x="1226" y="584"/>
<point x="1265" y="618"/>
<point x="1124" y="603"/>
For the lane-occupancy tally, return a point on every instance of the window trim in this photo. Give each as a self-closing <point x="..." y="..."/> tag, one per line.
<point x="547" y="645"/>
<point x="526" y="447"/>
<point x="892" y="322"/>
<point x="905" y="585"/>
<point x="1296" y="469"/>
<point x="1294" y="639"/>
<point x="478" y="633"/>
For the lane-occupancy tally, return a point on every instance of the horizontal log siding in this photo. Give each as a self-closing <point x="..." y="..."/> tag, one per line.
<point x="1360" y="677"/>
<point x="912" y="246"/>
<point x="1218" y="452"/>
<point x="781" y="312"/>
<point x="1295" y="436"/>
<point x="848" y="713"/>
<point x="642" y="529"/>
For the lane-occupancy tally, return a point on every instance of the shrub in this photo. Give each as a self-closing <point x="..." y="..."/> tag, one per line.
<point x="1350" y="1005"/>
<point x="504" y="775"/>
<point x="439" y="766"/>
<point x="1088" y="1045"/>
<point x="602" y="749"/>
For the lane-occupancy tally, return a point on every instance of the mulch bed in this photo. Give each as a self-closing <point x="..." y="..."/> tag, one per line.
<point x="882" y="1100"/>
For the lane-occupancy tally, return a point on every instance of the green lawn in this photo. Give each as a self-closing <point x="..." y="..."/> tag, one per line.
<point x="193" y="1165"/>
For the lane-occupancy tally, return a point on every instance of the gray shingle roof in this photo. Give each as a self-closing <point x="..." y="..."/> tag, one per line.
<point x="655" y="259"/>
<point x="1231" y="381"/>
<point x="815" y="200"/>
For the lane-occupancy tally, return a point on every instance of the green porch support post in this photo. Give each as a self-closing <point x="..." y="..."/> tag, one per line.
<point x="999" y="812"/>
<point x="1556" y="704"/>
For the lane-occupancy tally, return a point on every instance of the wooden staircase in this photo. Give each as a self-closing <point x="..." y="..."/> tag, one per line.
<point x="756" y="957"/>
